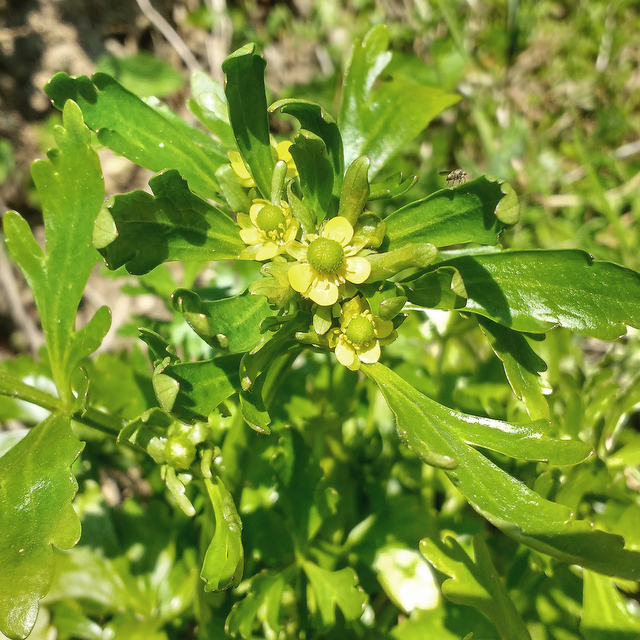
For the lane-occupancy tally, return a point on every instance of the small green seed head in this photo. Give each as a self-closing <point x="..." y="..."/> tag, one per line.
<point x="325" y="255"/>
<point x="270" y="217"/>
<point x="360" y="331"/>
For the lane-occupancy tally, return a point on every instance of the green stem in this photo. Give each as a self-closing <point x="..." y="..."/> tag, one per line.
<point x="15" y="388"/>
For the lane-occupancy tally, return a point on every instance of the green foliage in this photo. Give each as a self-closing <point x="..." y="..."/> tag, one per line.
<point x="278" y="499"/>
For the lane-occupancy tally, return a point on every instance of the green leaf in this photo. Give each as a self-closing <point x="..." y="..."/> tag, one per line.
<point x="36" y="492"/>
<point x="302" y="492"/>
<point x="438" y="435"/>
<point x="392" y="187"/>
<point x="316" y="175"/>
<point x="142" y="74"/>
<point x="244" y="71"/>
<point x="522" y="366"/>
<point x="71" y="190"/>
<point x="604" y="613"/>
<point x="442" y="288"/>
<point x="315" y="119"/>
<point x="131" y="128"/>
<point x="203" y="385"/>
<point x="209" y="105"/>
<point x="224" y="560"/>
<point x="232" y="324"/>
<point x="175" y="225"/>
<point x="331" y="589"/>
<point x="475" y="584"/>
<point x="378" y="119"/>
<point x="262" y="604"/>
<point x="534" y="291"/>
<point x="450" y="216"/>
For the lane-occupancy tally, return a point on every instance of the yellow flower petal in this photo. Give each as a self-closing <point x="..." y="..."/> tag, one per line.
<point x="300" y="277"/>
<point x="358" y="270"/>
<point x="324" y="292"/>
<point x="346" y="356"/>
<point x="372" y="355"/>
<point x="338" y="229"/>
<point x="244" y="220"/>
<point x="282" y="149"/>
<point x="291" y="233"/>
<point x="251" y="236"/>
<point x="268" y="250"/>
<point x="240" y="169"/>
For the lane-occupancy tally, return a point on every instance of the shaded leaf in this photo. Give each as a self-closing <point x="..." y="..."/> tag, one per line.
<point x="331" y="589"/>
<point x="133" y="129"/>
<point x="449" y="216"/>
<point x="175" y="225"/>
<point x="36" y="492"/>
<point x="534" y="291"/>
<point x="262" y="604"/>
<point x="522" y="366"/>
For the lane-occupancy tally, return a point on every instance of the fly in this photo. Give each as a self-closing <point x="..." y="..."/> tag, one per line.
<point x="454" y="177"/>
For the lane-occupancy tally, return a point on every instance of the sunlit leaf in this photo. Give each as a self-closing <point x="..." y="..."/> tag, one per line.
<point x="133" y="129"/>
<point x="378" y="119"/>
<point x="533" y="291"/>
<point x="475" y="584"/>
<point x="36" y="491"/>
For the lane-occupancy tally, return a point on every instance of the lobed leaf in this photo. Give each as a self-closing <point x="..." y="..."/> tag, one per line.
<point x="36" y="492"/>
<point x="312" y="117"/>
<point x="232" y="324"/>
<point x="534" y="291"/>
<point x="175" y="224"/>
<point x="133" y="129"/>
<point x="316" y="175"/>
<point x="203" y="385"/>
<point x="263" y="603"/>
<point x="434" y="433"/>
<point x="450" y="216"/>
<point x="331" y="589"/>
<point x="71" y="190"/>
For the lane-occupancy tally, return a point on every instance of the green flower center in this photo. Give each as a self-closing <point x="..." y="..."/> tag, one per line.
<point x="270" y="217"/>
<point x="325" y="255"/>
<point x="360" y="331"/>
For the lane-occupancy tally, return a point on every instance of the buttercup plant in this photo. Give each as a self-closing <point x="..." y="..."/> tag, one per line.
<point x="257" y="441"/>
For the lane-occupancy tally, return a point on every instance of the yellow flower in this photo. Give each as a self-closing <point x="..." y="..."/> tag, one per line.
<point x="246" y="179"/>
<point x="268" y="230"/>
<point x="327" y="262"/>
<point x="360" y="335"/>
